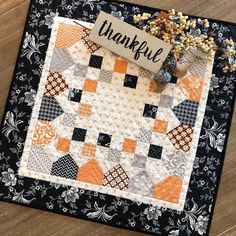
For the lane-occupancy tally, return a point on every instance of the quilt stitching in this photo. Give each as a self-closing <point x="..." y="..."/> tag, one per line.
<point x="111" y="126"/>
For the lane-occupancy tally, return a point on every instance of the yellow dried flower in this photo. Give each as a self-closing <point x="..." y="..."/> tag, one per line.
<point x="172" y="27"/>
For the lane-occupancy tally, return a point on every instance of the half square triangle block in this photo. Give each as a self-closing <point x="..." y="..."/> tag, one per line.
<point x="65" y="167"/>
<point x="89" y="44"/>
<point x="61" y="60"/>
<point x="186" y="112"/>
<point x="49" y="109"/>
<point x="116" y="178"/>
<point x="39" y="160"/>
<point x="91" y="173"/>
<point x="55" y="84"/>
<point x="169" y="189"/>
<point x="181" y="137"/>
<point x="141" y="184"/>
<point x="192" y="86"/>
<point x="68" y="35"/>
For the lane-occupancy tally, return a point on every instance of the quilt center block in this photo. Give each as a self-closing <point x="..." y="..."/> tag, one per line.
<point x="101" y="123"/>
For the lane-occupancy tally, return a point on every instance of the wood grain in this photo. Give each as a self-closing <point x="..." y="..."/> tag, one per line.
<point x="19" y="220"/>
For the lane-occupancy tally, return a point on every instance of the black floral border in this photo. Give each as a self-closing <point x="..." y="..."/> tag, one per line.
<point x="194" y="220"/>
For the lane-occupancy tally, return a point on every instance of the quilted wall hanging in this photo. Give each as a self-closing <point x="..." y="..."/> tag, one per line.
<point x="89" y="134"/>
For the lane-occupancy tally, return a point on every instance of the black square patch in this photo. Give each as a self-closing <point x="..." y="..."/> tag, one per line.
<point x="130" y="81"/>
<point x="173" y="80"/>
<point x="155" y="151"/>
<point x="79" y="134"/>
<point x="95" y="61"/>
<point x="104" y="140"/>
<point x="75" y="95"/>
<point x="150" y="111"/>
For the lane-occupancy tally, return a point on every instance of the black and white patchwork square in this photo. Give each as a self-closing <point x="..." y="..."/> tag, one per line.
<point x="79" y="134"/>
<point x="105" y="76"/>
<point x="75" y="95"/>
<point x="130" y="81"/>
<point x="144" y="135"/>
<point x="186" y="112"/>
<point x="95" y="61"/>
<point x="69" y="119"/>
<point x="104" y="140"/>
<point x="155" y="151"/>
<point x="49" y="109"/>
<point x="150" y="111"/>
<point x="114" y="155"/>
<point x="65" y="167"/>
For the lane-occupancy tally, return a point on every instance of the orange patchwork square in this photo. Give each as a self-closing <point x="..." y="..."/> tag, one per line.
<point x="89" y="150"/>
<point x="160" y="126"/>
<point x="84" y="109"/>
<point x="121" y="66"/>
<point x="154" y="87"/>
<point x="63" y="144"/>
<point x="129" y="145"/>
<point x="90" y="85"/>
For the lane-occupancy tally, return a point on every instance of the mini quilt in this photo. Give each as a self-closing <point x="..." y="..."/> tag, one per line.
<point x="90" y="134"/>
<point x="102" y="123"/>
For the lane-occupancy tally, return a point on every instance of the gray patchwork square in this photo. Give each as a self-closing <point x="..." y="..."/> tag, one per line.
<point x="39" y="161"/>
<point x="69" y="119"/>
<point x="114" y="155"/>
<point x="144" y="136"/>
<point x="166" y="101"/>
<point x="105" y="76"/>
<point x="139" y="161"/>
<point x="61" y="60"/>
<point x="80" y="70"/>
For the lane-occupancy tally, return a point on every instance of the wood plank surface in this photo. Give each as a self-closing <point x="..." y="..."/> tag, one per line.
<point x="23" y="221"/>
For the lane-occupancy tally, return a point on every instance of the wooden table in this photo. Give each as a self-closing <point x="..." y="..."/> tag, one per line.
<point x="18" y="220"/>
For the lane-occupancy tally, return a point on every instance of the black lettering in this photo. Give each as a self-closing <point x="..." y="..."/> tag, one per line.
<point x="107" y="31"/>
<point x="125" y="41"/>
<point x="117" y="37"/>
<point x="100" y="33"/>
<point x="158" y="52"/>
<point x="139" y="50"/>
<point x="134" y="43"/>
